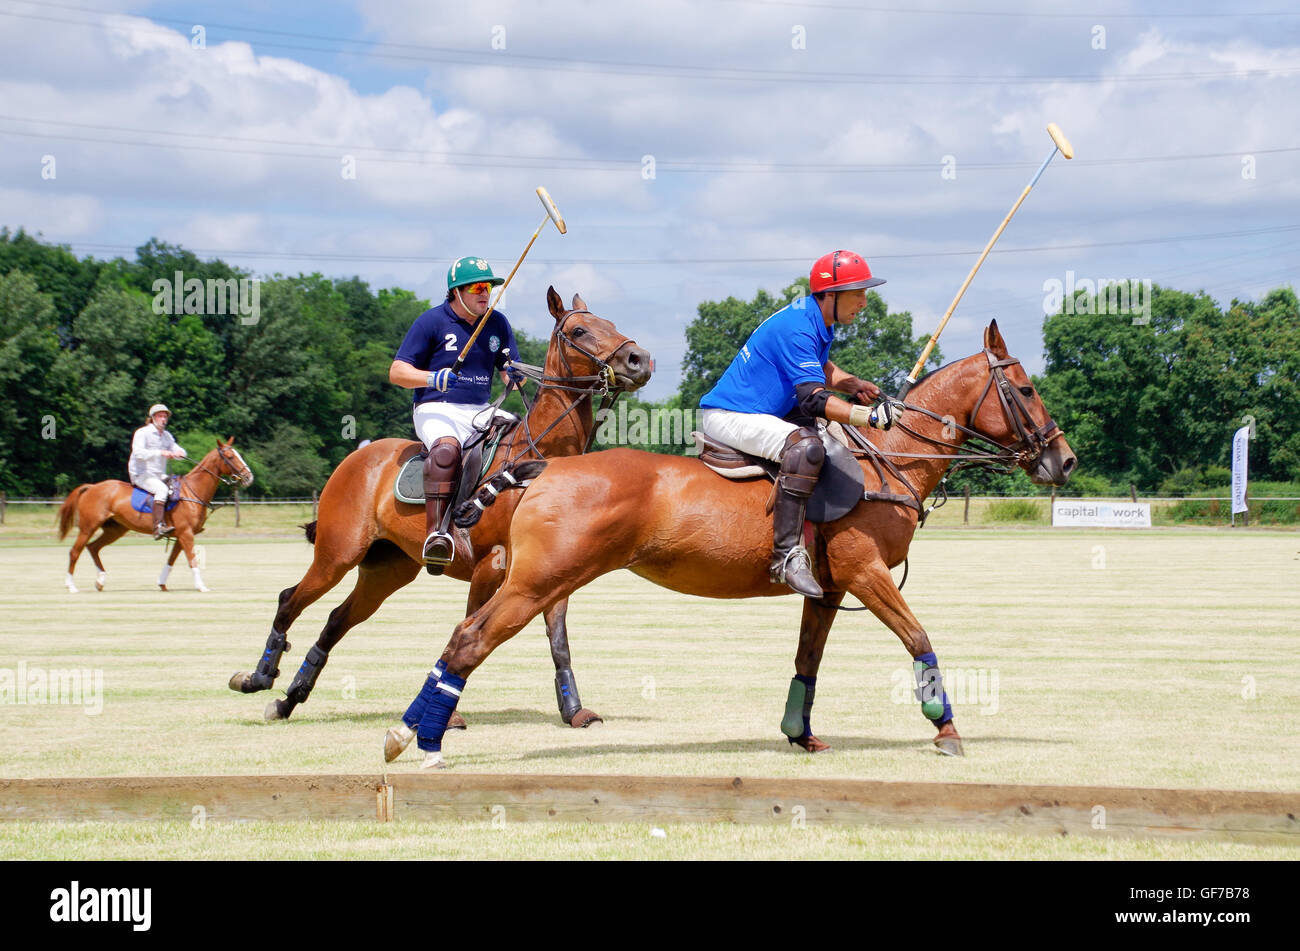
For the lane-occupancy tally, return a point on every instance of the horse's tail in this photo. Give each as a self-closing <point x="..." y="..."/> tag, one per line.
<point x="517" y="476"/>
<point x="68" y="510"/>
<point x="310" y="531"/>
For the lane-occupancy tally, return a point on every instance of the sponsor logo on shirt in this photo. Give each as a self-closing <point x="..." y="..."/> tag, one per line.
<point x="494" y="343"/>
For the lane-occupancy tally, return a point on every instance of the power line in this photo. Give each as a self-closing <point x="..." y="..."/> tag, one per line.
<point x="502" y="60"/>
<point x="679" y="262"/>
<point x="507" y="160"/>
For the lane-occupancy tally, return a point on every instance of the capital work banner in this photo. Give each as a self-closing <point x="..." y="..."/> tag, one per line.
<point x="1240" y="442"/>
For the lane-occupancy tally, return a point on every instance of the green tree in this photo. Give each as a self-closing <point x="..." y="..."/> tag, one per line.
<point x="33" y="410"/>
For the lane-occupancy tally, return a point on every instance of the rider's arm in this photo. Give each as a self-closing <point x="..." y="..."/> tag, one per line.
<point x="842" y="382"/>
<point x="407" y="376"/>
<point x="813" y="399"/>
<point x="139" y="450"/>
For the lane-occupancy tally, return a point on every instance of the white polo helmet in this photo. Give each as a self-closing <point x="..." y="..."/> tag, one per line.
<point x="158" y="408"/>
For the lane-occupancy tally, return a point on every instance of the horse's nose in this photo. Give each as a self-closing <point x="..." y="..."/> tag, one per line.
<point x="1068" y="465"/>
<point x="638" y="364"/>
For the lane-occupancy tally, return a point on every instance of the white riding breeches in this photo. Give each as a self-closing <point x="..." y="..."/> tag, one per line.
<point x="758" y="434"/>
<point x="155" y="485"/>
<point x="435" y="420"/>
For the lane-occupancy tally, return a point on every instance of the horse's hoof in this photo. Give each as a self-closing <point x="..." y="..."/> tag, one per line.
<point x="275" y="711"/>
<point x="809" y="743"/>
<point x="457" y="722"/>
<point x="201" y="590"/>
<point x="396" y="740"/>
<point x="243" y="682"/>
<point x="162" y="587"/>
<point x="949" y="745"/>
<point x="584" y="718"/>
<point x="433" y="761"/>
<point x="72" y="588"/>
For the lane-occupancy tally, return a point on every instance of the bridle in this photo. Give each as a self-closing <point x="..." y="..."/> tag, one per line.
<point x="233" y="478"/>
<point x="1032" y="440"/>
<point x="603" y="383"/>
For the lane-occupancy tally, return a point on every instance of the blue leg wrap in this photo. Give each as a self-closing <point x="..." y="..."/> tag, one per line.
<point x="441" y="705"/>
<point x="415" y="711"/>
<point x="929" y="689"/>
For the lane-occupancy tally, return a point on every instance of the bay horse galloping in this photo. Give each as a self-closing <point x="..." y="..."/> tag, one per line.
<point x="360" y="523"/>
<point x="107" y="505"/>
<point x="672" y="520"/>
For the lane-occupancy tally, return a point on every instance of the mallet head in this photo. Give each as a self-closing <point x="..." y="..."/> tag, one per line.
<point x="552" y="211"/>
<point x="1061" y="141"/>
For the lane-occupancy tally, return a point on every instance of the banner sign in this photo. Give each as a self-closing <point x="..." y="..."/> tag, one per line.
<point x="1085" y="513"/>
<point x="1240" y="442"/>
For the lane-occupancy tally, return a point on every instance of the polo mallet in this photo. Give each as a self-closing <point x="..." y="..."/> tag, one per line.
<point x="552" y="214"/>
<point x="1060" y="144"/>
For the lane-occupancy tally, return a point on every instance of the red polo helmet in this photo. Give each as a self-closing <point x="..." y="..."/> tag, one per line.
<point x="841" y="271"/>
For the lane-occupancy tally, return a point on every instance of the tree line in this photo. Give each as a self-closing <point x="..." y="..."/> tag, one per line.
<point x="84" y="351"/>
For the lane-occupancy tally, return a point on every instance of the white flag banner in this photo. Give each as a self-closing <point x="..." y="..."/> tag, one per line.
<point x="1240" y="442"/>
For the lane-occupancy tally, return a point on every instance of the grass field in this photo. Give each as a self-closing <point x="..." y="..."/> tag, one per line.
<point x="1145" y="658"/>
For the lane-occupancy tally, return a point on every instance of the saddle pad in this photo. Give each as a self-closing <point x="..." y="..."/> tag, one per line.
<point x="142" y="501"/>
<point x="839" y="487"/>
<point x="409" y="485"/>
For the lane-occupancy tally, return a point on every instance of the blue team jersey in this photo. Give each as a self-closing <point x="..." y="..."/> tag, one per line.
<point x="435" y="340"/>
<point x="790" y="347"/>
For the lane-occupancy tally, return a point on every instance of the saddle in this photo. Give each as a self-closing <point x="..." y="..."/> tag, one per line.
<point x="475" y="461"/>
<point x="142" y="501"/>
<point x="839" y="487"/>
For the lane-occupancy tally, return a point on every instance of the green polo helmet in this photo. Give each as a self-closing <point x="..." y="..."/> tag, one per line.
<point x="470" y="271"/>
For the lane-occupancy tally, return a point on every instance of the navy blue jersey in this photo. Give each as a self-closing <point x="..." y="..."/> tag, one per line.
<point x="435" y="340"/>
<point x="790" y="347"/>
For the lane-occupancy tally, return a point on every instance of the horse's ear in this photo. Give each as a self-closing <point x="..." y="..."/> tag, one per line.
<point x="219" y="444"/>
<point x="579" y="303"/>
<point x="230" y="441"/>
<point x="555" y="304"/>
<point x="993" y="340"/>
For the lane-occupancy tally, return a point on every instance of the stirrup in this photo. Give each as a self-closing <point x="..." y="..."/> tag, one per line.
<point x="781" y="574"/>
<point x="438" y="559"/>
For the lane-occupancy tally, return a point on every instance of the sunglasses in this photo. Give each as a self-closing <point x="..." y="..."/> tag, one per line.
<point x="482" y="287"/>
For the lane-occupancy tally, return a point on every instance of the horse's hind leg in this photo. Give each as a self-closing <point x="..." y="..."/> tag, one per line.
<point x="327" y="569"/>
<point x="818" y="616"/>
<point x="566" y="685"/>
<point x="111" y="532"/>
<point x="383" y="572"/>
<point x="83" y="536"/>
<point x="875" y="587"/>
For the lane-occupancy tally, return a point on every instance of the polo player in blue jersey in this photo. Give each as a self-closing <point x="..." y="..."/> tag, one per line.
<point x="448" y="405"/>
<point x="780" y="382"/>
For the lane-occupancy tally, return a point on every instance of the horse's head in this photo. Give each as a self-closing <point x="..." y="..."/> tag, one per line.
<point x="586" y="345"/>
<point x="1009" y="412"/>
<point x="229" y="465"/>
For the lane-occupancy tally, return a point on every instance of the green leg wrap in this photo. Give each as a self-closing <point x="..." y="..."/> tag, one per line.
<point x="792" y="722"/>
<point x="929" y="690"/>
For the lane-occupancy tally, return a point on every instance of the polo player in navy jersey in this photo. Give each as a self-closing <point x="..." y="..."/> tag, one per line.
<point x="767" y="401"/>
<point x="446" y="403"/>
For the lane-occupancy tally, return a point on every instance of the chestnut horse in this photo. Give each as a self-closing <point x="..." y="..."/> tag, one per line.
<point x="673" y="521"/>
<point x="360" y="522"/>
<point x="108" y="505"/>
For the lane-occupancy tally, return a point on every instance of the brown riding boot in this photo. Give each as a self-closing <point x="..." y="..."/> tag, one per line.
<point x="159" y="529"/>
<point x="440" y="470"/>
<point x="801" y="463"/>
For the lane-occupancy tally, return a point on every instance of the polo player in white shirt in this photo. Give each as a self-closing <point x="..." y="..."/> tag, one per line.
<point x="151" y="447"/>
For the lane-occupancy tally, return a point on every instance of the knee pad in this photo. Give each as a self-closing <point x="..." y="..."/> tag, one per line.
<point x="801" y="462"/>
<point x="444" y="454"/>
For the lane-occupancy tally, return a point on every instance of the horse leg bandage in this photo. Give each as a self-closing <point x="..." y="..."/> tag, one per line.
<point x="566" y="693"/>
<point x="415" y="712"/>
<point x="268" y="668"/>
<point x="305" y="679"/>
<point x="441" y="705"/>
<point x="797" y="721"/>
<point x="929" y="689"/>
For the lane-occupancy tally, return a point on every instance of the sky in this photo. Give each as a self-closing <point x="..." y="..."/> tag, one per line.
<point x="698" y="149"/>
